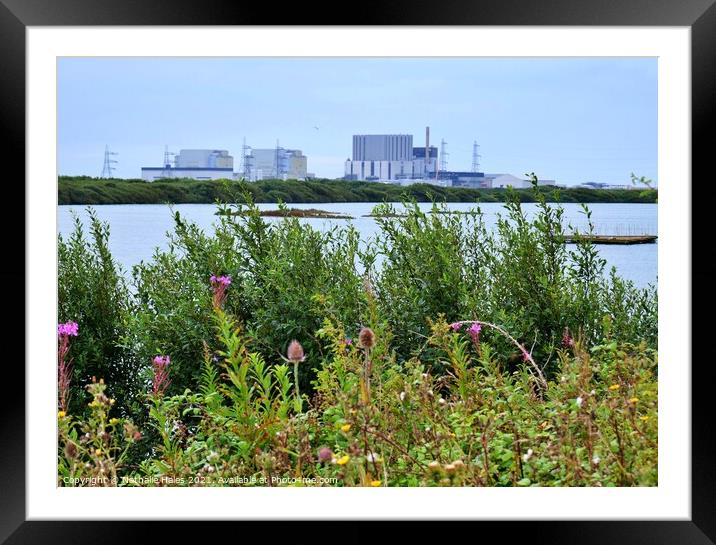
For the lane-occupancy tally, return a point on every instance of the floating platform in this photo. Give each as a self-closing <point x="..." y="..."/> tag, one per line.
<point x="611" y="239"/>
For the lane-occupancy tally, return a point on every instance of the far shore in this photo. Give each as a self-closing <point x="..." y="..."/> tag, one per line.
<point x="95" y="191"/>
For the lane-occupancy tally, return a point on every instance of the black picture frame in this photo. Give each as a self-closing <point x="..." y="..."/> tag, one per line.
<point x="699" y="15"/>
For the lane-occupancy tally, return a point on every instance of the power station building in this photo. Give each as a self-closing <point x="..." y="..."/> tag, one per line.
<point x="279" y="163"/>
<point x="393" y="158"/>
<point x="390" y="157"/>
<point x="211" y="164"/>
<point x="198" y="164"/>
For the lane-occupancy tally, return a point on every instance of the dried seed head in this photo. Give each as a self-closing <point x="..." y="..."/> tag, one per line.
<point x="70" y="450"/>
<point x="366" y="338"/>
<point x="295" y="352"/>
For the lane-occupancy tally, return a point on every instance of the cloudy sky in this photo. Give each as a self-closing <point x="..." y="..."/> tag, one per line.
<point x="570" y="119"/>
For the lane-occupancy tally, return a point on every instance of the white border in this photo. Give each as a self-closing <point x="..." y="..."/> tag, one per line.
<point x="670" y="500"/>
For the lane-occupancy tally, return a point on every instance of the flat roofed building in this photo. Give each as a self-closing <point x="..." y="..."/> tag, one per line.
<point x="278" y="163"/>
<point x="204" y="158"/>
<point x="382" y="147"/>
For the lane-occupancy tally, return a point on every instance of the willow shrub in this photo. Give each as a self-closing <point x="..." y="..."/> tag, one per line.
<point x="93" y="292"/>
<point x="286" y="276"/>
<point x="520" y="275"/>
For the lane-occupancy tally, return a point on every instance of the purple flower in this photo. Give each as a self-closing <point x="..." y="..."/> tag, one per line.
<point x="219" y="285"/>
<point x="64" y="366"/>
<point x="161" y="360"/>
<point x="161" y="380"/>
<point x="325" y="454"/>
<point x="68" y="329"/>
<point x="525" y="354"/>
<point x="456" y="326"/>
<point x="567" y="339"/>
<point x="223" y="280"/>
<point x="474" y="330"/>
<point x="348" y="341"/>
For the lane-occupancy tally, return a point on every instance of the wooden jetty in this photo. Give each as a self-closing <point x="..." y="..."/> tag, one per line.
<point x="611" y="239"/>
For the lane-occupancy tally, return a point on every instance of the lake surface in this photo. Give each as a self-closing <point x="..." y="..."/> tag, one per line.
<point x="137" y="229"/>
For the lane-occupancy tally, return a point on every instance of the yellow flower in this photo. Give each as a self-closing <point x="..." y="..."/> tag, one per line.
<point x="375" y="483"/>
<point x="114" y="421"/>
<point x="634" y="400"/>
<point x="614" y="387"/>
<point x="344" y="460"/>
<point x="644" y="418"/>
<point x="61" y="414"/>
<point x="98" y="452"/>
<point x="111" y="401"/>
<point x="345" y="428"/>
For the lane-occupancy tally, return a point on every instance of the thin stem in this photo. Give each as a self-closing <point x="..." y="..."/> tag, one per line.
<point x="297" y="404"/>
<point x="527" y="355"/>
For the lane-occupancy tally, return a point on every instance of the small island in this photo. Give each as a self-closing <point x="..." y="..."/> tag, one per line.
<point x="292" y="213"/>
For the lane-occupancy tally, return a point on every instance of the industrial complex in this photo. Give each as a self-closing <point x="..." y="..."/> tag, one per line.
<point x="385" y="158"/>
<point x="393" y="158"/>
<point x="212" y="164"/>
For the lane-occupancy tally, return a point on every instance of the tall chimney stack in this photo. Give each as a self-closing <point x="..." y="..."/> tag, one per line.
<point x="427" y="149"/>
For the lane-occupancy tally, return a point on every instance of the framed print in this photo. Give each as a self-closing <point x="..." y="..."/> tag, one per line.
<point x="383" y="328"/>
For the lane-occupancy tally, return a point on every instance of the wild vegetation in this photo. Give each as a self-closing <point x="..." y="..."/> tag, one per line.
<point x="86" y="190"/>
<point x="442" y="353"/>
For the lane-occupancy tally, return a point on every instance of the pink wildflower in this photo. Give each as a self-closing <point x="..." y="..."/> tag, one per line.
<point x="567" y="339"/>
<point x="474" y="331"/>
<point x="219" y="284"/>
<point x="68" y="329"/>
<point x="64" y="366"/>
<point x="224" y="280"/>
<point x="160" y="382"/>
<point x="525" y="355"/>
<point x="161" y="360"/>
<point x="456" y="326"/>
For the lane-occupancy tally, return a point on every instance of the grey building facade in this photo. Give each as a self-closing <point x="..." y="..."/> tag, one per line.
<point x="382" y="147"/>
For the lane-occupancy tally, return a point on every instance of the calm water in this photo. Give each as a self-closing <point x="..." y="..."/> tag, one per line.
<point x="137" y="229"/>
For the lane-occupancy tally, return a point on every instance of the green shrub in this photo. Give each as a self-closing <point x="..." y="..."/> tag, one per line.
<point x="92" y="291"/>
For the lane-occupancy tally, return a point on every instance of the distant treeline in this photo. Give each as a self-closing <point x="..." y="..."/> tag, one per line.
<point x="87" y="190"/>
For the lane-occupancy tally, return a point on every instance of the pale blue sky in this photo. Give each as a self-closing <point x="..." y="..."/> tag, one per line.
<point x="573" y="120"/>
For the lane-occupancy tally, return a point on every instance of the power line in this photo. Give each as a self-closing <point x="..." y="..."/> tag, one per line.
<point x="107" y="167"/>
<point x="476" y="157"/>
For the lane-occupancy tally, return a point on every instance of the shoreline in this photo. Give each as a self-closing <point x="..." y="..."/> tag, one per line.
<point x="94" y="191"/>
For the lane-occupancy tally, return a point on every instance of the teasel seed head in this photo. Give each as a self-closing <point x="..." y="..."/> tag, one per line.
<point x="366" y="338"/>
<point x="295" y="352"/>
<point x="70" y="450"/>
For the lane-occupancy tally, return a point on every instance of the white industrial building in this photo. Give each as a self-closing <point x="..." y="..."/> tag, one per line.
<point x="198" y="164"/>
<point x="391" y="157"/>
<point x="389" y="170"/>
<point x="204" y="158"/>
<point x="277" y="163"/>
<point x="508" y="180"/>
<point x="211" y="164"/>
